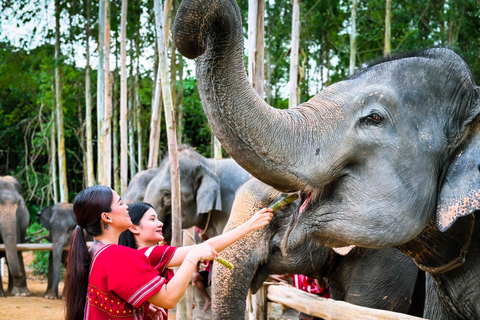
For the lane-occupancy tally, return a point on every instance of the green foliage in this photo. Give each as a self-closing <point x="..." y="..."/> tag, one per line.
<point x="40" y="261"/>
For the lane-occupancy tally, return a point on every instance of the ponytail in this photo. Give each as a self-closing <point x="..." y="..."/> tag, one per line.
<point x="76" y="276"/>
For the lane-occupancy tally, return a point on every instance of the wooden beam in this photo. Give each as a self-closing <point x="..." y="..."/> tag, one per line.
<point x="328" y="309"/>
<point x="36" y="246"/>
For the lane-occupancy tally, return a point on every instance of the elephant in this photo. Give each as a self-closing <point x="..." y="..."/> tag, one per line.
<point x="377" y="278"/>
<point x="59" y="220"/>
<point x="385" y="158"/>
<point x="14" y="219"/>
<point x="138" y="185"/>
<point x="207" y="191"/>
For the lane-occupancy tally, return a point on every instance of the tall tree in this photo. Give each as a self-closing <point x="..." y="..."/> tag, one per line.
<point x="88" y="101"/>
<point x="295" y="47"/>
<point x="107" y="112"/>
<point x="388" y="42"/>
<point x="123" y="102"/>
<point x="101" y="91"/>
<point x="256" y="44"/>
<point x="138" y="105"/>
<point x="62" y="161"/>
<point x="353" y="35"/>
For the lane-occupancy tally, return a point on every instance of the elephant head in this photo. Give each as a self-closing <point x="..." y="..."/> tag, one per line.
<point x="59" y="220"/>
<point x="200" y="191"/>
<point x="14" y="219"/>
<point x="377" y="278"/>
<point x="373" y="156"/>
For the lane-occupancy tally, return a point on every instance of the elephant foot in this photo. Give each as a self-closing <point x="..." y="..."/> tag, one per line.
<point x="20" y="292"/>
<point x="50" y="294"/>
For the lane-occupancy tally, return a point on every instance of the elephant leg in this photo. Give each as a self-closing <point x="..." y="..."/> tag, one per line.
<point x="20" y="284"/>
<point x="49" y="294"/>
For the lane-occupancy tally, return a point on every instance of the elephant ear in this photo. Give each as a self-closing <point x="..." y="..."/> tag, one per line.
<point x="44" y="217"/>
<point x="460" y="193"/>
<point x="208" y="192"/>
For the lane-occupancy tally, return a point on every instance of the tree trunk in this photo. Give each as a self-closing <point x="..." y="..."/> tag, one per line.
<point x="53" y="157"/>
<point x="100" y="90"/>
<point x="180" y="104"/>
<point x="353" y="35"/>
<point x="123" y="102"/>
<point x="256" y="44"/>
<point x="115" y="140"/>
<point x="388" y="41"/>
<point x="294" y="99"/>
<point x="107" y="115"/>
<point x="88" y="103"/>
<point x="155" y="123"/>
<point x="131" y="126"/>
<point x="62" y="161"/>
<point x="138" y="105"/>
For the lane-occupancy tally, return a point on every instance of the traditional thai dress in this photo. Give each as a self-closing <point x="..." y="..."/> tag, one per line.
<point x="159" y="257"/>
<point x="120" y="282"/>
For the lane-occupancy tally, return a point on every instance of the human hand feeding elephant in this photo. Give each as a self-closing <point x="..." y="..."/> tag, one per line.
<point x="386" y="158"/>
<point x="138" y="185"/>
<point x="59" y="220"/>
<point x="14" y="219"/>
<point x="377" y="278"/>
<point x="207" y="190"/>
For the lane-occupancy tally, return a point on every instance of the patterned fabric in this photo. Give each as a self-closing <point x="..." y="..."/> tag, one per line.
<point x="110" y="295"/>
<point x="309" y="285"/>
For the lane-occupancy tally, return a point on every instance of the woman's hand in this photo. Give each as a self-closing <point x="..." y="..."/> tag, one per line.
<point x="203" y="251"/>
<point x="260" y="219"/>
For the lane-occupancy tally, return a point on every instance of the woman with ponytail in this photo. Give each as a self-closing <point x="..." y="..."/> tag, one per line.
<point x="110" y="281"/>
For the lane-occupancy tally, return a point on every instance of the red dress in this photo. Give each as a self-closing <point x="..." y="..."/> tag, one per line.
<point x="121" y="280"/>
<point x="159" y="257"/>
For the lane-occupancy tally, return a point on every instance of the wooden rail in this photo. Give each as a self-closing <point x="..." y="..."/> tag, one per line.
<point x="328" y="309"/>
<point x="36" y="246"/>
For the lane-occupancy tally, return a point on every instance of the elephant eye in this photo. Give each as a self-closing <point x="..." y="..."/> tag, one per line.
<point x="373" y="118"/>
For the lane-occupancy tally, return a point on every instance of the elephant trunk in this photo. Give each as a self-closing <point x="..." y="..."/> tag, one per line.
<point x="8" y="230"/>
<point x="263" y="140"/>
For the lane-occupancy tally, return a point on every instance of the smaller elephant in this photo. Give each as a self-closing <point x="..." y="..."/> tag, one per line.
<point x="138" y="185"/>
<point x="14" y="219"/>
<point x="377" y="278"/>
<point x="59" y="220"/>
<point x="207" y="191"/>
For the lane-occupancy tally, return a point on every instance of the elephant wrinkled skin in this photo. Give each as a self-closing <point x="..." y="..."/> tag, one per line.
<point x="14" y="219"/>
<point x="138" y="185"/>
<point x="376" y="278"/>
<point x="207" y="191"/>
<point x="59" y="220"/>
<point x="385" y="158"/>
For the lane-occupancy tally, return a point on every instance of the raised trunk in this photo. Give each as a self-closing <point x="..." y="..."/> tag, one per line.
<point x="263" y="140"/>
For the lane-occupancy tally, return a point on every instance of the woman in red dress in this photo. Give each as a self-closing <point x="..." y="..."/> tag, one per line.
<point x="146" y="233"/>
<point x="111" y="281"/>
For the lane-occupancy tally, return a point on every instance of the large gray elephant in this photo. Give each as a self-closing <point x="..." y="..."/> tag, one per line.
<point x="14" y="219"/>
<point x="59" y="220"/>
<point x="376" y="278"/>
<point x="207" y="190"/>
<point x="385" y="158"/>
<point x="138" y="185"/>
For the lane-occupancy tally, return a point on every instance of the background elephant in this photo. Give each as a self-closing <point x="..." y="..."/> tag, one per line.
<point x="385" y="158"/>
<point x="59" y="220"/>
<point x="376" y="278"/>
<point x="138" y="185"/>
<point x="14" y="219"/>
<point x="207" y="189"/>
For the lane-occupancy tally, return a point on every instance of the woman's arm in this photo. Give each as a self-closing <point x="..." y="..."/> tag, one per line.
<point x="171" y="292"/>
<point x="220" y="242"/>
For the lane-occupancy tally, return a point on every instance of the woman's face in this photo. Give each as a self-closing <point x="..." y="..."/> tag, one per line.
<point x="120" y="213"/>
<point x="150" y="230"/>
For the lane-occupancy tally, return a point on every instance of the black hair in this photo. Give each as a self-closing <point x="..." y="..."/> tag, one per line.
<point x="136" y="211"/>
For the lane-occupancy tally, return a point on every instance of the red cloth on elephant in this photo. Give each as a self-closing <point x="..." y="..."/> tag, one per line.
<point x="109" y="295"/>
<point x="307" y="284"/>
<point x="159" y="257"/>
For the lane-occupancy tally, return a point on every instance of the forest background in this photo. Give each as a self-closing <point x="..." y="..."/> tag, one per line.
<point x="47" y="71"/>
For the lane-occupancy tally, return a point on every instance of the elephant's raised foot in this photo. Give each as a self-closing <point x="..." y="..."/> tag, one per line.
<point x="20" y="292"/>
